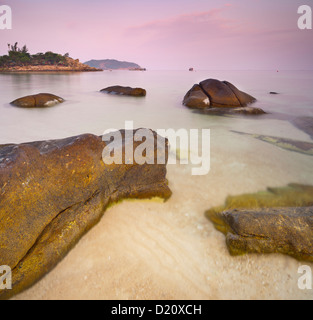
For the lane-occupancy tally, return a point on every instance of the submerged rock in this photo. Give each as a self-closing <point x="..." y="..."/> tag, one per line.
<point x="231" y="111"/>
<point x="305" y="124"/>
<point x="284" y="143"/>
<point x="53" y="192"/>
<point x="41" y="100"/>
<point x="246" y="111"/>
<point x="213" y="93"/>
<point x="125" y="91"/>
<point x="279" y="220"/>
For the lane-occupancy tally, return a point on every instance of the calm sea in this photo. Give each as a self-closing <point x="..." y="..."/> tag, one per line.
<point x="235" y="159"/>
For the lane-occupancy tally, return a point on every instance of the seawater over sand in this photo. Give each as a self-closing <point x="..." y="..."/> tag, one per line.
<point x="155" y="250"/>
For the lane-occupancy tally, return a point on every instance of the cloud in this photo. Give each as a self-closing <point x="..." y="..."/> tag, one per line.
<point x="193" y="27"/>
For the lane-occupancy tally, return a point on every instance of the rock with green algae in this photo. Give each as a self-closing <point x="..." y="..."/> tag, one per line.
<point x="53" y="192"/>
<point x="279" y="220"/>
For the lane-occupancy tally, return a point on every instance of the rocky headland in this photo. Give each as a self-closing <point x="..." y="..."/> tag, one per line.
<point x="20" y="60"/>
<point x="112" y="64"/>
<point x="71" y="65"/>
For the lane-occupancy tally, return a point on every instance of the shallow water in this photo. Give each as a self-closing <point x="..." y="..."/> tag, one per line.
<point x="88" y="110"/>
<point x="180" y="237"/>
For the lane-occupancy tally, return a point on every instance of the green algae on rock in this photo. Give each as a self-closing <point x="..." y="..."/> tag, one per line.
<point x="271" y="230"/>
<point x="53" y="192"/>
<point x="279" y="220"/>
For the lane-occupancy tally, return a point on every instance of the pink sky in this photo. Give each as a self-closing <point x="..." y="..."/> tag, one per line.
<point x="166" y="34"/>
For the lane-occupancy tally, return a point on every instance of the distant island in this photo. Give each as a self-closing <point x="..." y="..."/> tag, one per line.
<point x="19" y="60"/>
<point x="111" y="64"/>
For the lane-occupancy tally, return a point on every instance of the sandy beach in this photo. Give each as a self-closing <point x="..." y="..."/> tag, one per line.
<point x="155" y="250"/>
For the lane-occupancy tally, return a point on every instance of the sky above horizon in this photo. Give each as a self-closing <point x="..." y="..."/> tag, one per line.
<point x="166" y="34"/>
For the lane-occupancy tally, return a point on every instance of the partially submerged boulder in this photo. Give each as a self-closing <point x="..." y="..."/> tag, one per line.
<point x="125" y="91"/>
<point x="53" y="192"/>
<point x="279" y="220"/>
<point x="224" y="94"/>
<point x="212" y="93"/>
<point x="41" y="100"/>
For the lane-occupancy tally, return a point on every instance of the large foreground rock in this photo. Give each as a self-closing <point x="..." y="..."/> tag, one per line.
<point x="53" y="192"/>
<point x="279" y="220"/>
<point x="41" y="100"/>
<point x="212" y="93"/>
<point x="125" y="91"/>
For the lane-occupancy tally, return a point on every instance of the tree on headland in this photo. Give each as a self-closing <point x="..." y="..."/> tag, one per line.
<point x="24" y="49"/>
<point x="15" y="48"/>
<point x="12" y="47"/>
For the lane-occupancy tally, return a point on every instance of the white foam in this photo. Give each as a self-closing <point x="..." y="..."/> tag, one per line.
<point x="51" y="103"/>
<point x="207" y="101"/>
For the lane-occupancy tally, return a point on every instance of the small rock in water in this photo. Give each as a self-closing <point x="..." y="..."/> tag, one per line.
<point x="41" y="100"/>
<point x="125" y="91"/>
